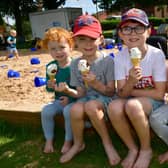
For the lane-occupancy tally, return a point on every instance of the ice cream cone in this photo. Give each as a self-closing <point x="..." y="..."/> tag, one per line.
<point x="84" y="69"/>
<point x="135" y="61"/>
<point x="85" y="73"/>
<point x="52" y="76"/>
<point x="51" y="71"/>
<point x="135" y="55"/>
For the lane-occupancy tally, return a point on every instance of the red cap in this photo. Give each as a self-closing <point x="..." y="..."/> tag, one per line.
<point x="87" y="25"/>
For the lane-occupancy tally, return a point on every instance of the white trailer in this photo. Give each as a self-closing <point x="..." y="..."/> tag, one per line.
<point x="62" y="17"/>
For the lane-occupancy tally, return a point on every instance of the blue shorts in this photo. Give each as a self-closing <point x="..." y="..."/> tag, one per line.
<point x="12" y="50"/>
<point x="105" y="100"/>
<point x="156" y="103"/>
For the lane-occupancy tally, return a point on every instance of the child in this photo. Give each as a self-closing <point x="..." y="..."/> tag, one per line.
<point x="159" y="123"/>
<point x="59" y="42"/>
<point x="140" y="88"/>
<point x="96" y="87"/>
<point x="11" y="44"/>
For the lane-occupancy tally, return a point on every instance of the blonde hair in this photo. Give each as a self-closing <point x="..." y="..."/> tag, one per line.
<point x="55" y="34"/>
<point x="13" y="31"/>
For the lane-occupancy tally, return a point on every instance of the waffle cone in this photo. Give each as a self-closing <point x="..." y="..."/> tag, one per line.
<point x="135" y="61"/>
<point x="52" y="77"/>
<point x="84" y="73"/>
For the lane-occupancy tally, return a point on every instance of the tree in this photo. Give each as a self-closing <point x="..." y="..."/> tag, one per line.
<point x="20" y="9"/>
<point x="120" y="5"/>
<point x="53" y="4"/>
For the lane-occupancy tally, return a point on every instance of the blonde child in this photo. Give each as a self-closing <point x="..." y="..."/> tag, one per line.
<point x="59" y="43"/>
<point x="11" y="44"/>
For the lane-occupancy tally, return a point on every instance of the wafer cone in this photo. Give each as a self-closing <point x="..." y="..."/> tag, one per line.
<point x="135" y="61"/>
<point x="52" y="76"/>
<point x="84" y="73"/>
<point x="135" y="55"/>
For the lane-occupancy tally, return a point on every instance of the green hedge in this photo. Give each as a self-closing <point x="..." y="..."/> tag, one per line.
<point x="112" y="24"/>
<point x="109" y="24"/>
<point x="157" y="21"/>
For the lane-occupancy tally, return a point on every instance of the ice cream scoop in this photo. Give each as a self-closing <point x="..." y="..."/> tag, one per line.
<point x="83" y="68"/>
<point x="135" y="55"/>
<point x="82" y="65"/>
<point x="51" y="71"/>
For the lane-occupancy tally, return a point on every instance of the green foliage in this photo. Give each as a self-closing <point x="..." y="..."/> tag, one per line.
<point x="27" y="30"/>
<point x="53" y="4"/>
<point x="120" y="5"/>
<point x="109" y="24"/>
<point x="157" y="21"/>
<point x="1" y="21"/>
<point x="108" y="34"/>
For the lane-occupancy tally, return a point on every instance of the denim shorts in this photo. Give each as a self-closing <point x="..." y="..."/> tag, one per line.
<point x="105" y="100"/>
<point x="11" y="50"/>
<point x="156" y="103"/>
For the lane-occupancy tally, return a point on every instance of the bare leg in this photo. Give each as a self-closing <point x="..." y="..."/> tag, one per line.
<point x="95" y="112"/>
<point x="66" y="147"/>
<point x="135" y="112"/>
<point x="163" y="158"/>
<point x="77" y="123"/>
<point x="120" y="123"/>
<point x="48" y="147"/>
<point x="6" y="58"/>
<point x="17" y="55"/>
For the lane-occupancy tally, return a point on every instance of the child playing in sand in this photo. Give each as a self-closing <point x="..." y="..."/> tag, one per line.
<point x="11" y="44"/>
<point x="59" y="42"/>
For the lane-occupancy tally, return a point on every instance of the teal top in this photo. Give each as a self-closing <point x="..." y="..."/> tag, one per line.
<point x="62" y="75"/>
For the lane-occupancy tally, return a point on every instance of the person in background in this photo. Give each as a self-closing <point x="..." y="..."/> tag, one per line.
<point x="159" y="123"/>
<point x="59" y="43"/>
<point x="140" y="88"/>
<point x="96" y="87"/>
<point x="153" y="30"/>
<point x="11" y="44"/>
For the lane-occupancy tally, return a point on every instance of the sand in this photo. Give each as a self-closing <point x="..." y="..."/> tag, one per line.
<point x="21" y="93"/>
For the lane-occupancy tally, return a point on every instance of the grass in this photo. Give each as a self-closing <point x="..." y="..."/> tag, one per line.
<point x="21" y="147"/>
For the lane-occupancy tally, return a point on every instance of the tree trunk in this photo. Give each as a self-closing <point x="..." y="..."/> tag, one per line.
<point x="19" y="29"/>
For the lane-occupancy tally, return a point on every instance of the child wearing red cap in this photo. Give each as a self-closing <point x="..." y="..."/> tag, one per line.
<point x="140" y="88"/>
<point x="96" y="87"/>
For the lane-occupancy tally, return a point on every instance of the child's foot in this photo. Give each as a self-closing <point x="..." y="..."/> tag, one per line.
<point x="143" y="159"/>
<point x="112" y="155"/>
<point x="71" y="153"/>
<point x="130" y="159"/>
<point x="163" y="158"/>
<point x="66" y="147"/>
<point x="48" y="147"/>
<point x="6" y="59"/>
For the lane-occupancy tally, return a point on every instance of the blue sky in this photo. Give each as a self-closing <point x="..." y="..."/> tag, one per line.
<point x="86" y="5"/>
